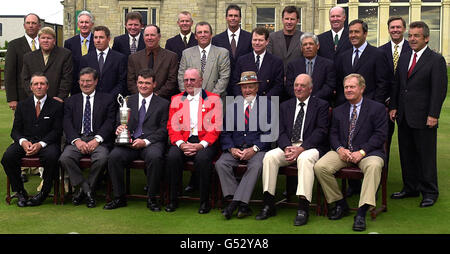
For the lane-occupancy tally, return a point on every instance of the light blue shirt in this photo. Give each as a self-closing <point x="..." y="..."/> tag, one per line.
<point x="88" y="40"/>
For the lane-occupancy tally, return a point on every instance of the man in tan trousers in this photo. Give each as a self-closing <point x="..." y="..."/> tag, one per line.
<point x="357" y="136"/>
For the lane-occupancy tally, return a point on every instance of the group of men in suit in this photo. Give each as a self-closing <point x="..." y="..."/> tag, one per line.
<point x="308" y="72"/>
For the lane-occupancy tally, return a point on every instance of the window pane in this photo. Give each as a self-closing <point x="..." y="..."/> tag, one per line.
<point x="435" y="1"/>
<point x="265" y="17"/>
<point x="370" y="15"/>
<point x="368" y="1"/>
<point x="342" y="1"/>
<point x="299" y="24"/>
<point x="402" y="11"/>
<point x="400" y="1"/>
<point x="154" y="16"/>
<point x="432" y="16"/>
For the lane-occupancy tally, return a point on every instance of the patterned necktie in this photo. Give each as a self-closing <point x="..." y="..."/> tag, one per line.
<point x="185" y="41"/>
<point x="101" y="61"/>
<point x="395" y="57"/>
<point x="151" y="60"/>
<point x="247" y="116"/>
<point x="203" y="61"/>
<point x="233" y="45"/>
<point x="355" y="61"/>
<point x="38" y="108"/>
<point x="297" y="130"/>
<point x="257" y="63"/>
<point x="336" y="41"/>
<point x="133" y="46"/>
<point x="412" y="65"/>
<point x="309" y="68"/>
<point x="33" y="45"/>
<point x="138" y="132"/>
<point x="87" y="116"/>
<point x="46" y="58"/>
<point x="352" y="126"/>
<point x="84" y="49"/>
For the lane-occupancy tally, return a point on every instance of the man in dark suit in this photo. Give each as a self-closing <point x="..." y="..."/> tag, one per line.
<point x="163" y="62"/>
<point x="53" y="61"/>
<point x="89" y="118"/>
<point x="285" y="43"/>
<point x="268" y="67"/>
<point x="80" y="45"/>
<point x="335" y="41"/>
<point x="195" y="122"/>
<point x="302" y="140"/>
<point x="242" y="142"/>
<point x="357" y="136"/>
<point x="319" y="68"/>
<point x="133" y="40"/>
<point x="109" y="64"/>
<point x="15" y="91"/>
<point x="419" y="90"/>
<point x="185" y="39"/>
<point x="147" y="125"/>
<point x="237" y="41"/>
<point x="36" y="131"/>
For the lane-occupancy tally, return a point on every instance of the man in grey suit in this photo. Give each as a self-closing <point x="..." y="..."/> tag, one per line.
<point x="285" y="43"/>
<point x="214" y="62"/>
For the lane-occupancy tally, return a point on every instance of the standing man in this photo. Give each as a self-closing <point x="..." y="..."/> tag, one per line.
<point x="80" y="45"/>
<point x="89" y="118"/>
<point x="132" y="41"/>
<point x="285" y="43"/>
<point x="53" y="61"/>
<point x="302" y="140"/>
<point x="419" y="90"/>
<point x="110" y="65"/>
<point x="185" y="39"/>
<point x="163" y="62"/>
<point x="147" y="126"/>
<point x="15" y="90"/>
<point x="334" y="41"/>
<point x="212" y="61"/>
<point x="268" y="67"/>
<point x="36" y="131"/>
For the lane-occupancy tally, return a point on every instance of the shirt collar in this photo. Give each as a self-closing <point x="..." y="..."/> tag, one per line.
<point x="261" y="55"/>
<point x="358" y="105"/>
<point x="206" y="49"/>
<point x="419" y="54"/>
<point x="361" y="48"/>
<point x="42" y="100"/>
<point x="188" y="36"/>
<point x="87" y="38"/>
<point x="312" y="60"/>
<point x="196" y="97"/>
<point x="147" y="99"/>
<point x="36" y="40"/>
<point x="105" y="52"/>
<point x="305" y="101"/>
<point x="137" y="37"/>
<point x="339" y="33"/>
<point x="237" y="33"/>
<point x="90" y="95"/>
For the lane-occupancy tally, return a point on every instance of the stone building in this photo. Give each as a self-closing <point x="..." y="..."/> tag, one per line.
<point x="314" y="15"/>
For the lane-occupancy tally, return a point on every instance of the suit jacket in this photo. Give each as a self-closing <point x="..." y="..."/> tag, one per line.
<point x="237" y="136"/>
<point x="270" y="74"/>
<point x="114" y="76"/>
<point x="155" y="123"/>
<point x="74" y="45"/>
<point x="315" y="130"/>
<point x="176" y="44"/>
<point x="323" y="77"/>
<point x="165" y="67"/>
<point x="277" y="47"/>
<point x="122" y="44"/>
<point x="15" y="90"/>
<point x="422" y="94"/>
<point x="372" y="65"/>
<point x="58" y="71"/>
<point x="209" y="111"/>
<point x="326" y="41"/>
<point x="103" y="117"/>
<point x="47" y="127"/>
<point x="217" y="69"/>
<point x="370" y="132"/>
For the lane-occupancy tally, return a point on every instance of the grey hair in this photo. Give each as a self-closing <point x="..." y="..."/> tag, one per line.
<point x="87" y="14"/>
<point x="309" y="35"/>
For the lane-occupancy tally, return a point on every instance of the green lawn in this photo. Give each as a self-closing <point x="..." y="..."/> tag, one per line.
<point x="402" y="217"/>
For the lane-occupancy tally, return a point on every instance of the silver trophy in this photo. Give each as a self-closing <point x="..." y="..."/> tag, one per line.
<point x="124" y="138"/>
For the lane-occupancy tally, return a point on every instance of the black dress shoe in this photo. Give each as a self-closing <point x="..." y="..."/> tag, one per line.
<point x="22" y="197"/>
<point x="338" y="212"/>
<point x="116" y="203"/>
<point x="204" y="208"/>
<point x="171" y="207"/>
<point x="78" y="197"/>
<point x="228" y="212"/>
<point x="266" y="212"/>
<point x="426" y="202"/>
<point x="153" y="205"/>
<point x="359" y="223"/>
<point x="301" y="218"/>
<point x="38" y="199"/>
<point x="403" y="194"/>
<point x="244" y="211"/>
<point x="90" y="200"/>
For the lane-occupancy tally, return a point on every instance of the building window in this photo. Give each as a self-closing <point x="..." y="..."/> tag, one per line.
<point x="370" y="15"/>
<point x="1" y="29"/>
<point x="265" y="17"/>
<point x="299" y="24"/>
<point x="432" y="16"/>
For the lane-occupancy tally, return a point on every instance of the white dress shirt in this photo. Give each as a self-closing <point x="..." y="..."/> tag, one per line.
<point x="30" y="40"/>
<point x="194" y="103"/>
<point x="338" y="33"/>
<point x="105" y="54"/>
<point x="236" y="35"/>
<point x="130" y="40"/>
<point x="419" y="54"/>
<point x="148" y="99"/>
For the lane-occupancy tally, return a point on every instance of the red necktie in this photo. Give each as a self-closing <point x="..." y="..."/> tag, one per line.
<point x="412" y="65"/>
<point x="38" y="108"/>
<point x="247" y="116"/>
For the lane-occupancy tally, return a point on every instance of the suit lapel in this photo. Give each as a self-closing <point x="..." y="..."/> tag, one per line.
<point x="363" y="112"/>
<point x="344" y="36"/>
<point x="151" y="107"/>
<point x="209" y="65"/>
<point x="290" y="116"/>
<point x="309" y="114"/>
<point x="422" y="61"/>
<point x="158" y="59"/>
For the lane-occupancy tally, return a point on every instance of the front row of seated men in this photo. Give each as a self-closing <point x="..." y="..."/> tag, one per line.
<point x="193" y="123"/>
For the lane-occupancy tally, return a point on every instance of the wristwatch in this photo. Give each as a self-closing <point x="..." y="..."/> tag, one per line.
<point x="255" y="148"/>
<point x="362" y="152"/>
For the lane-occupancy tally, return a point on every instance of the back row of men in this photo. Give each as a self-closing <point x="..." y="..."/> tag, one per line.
<point x="208" y="67"/>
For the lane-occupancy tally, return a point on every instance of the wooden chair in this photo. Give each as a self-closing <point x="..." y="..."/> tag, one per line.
<point x="31" y="162"/>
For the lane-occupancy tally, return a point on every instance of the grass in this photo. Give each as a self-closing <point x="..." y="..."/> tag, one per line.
<point x="403" y="216"/>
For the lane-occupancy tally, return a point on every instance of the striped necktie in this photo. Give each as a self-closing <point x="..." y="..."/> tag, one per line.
<point x="395" y="57"/>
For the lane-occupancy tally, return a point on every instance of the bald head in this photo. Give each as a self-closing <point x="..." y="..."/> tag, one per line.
<point x="303" y="86"/>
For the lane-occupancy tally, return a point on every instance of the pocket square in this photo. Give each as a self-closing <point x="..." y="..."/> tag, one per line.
<point x="46" y="117"/>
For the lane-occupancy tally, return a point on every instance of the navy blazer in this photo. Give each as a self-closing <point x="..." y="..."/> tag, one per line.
<point x="372" y="65"/>
<point x="370" y="131"/>
<point x="113" y="79"/>
<point x="103" y="117"/>
<point x="122" y="44"/>
<point x="270" y="74"/>
<point x="234" y="138"/>
<point x="315" y="130"/>
<point x="326" y="41"/>
<point x="323" y="77"/>
<point x="387" y="50"/>
<point x="176" y="44"/>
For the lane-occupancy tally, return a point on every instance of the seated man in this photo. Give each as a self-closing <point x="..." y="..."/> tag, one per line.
<point x="36" y="131"/>
<point x="88" y="123"/>
<point x="147" y="124"/>
<point x="241" y="141"/>
<point x="358" y="132"/>
<point x="192" y="134"/>
<point x="303" y="139"/>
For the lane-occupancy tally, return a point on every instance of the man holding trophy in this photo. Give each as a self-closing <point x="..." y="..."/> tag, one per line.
<point x="141" y="134"/>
